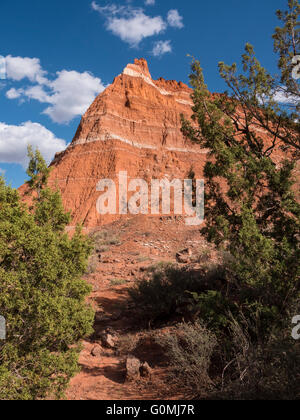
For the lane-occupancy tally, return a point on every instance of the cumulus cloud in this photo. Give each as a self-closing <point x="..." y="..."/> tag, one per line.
<point x="134" y="29"/>
<point x="130" y="24"/>
<point x="14" y="93"/>
<point x="18" y="68"/>
<point x="14" y="140"/>
<point x="68" y="95"/>
<point x="174" y="19"/>
<point x="283" y="97"/>
<point x="149" y="2"/>
<point x="73" y="93"/>
<point x="161" y="48"/>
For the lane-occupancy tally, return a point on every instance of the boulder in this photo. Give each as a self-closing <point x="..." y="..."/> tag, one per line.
<point x="96" y="351"/>
<point x="184" y="256"/>
<point x="133" y="366"/>
<point x="109" y="338"/>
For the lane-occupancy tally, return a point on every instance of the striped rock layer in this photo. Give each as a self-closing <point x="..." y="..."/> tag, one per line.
<point x="133" y="126"/>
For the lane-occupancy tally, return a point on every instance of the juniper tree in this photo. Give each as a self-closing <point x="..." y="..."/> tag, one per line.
<point x="47" y="206"/>
<point x="37" y="171"/>
<point x="267" y="102"/>
<point x="42" y="293"/>
<point x="251" y="210"/>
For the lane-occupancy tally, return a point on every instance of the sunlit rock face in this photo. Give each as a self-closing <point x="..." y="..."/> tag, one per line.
<point x="133" y="126"/>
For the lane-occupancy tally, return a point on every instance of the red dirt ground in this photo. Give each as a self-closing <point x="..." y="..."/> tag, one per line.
<point x="141" y="246"/>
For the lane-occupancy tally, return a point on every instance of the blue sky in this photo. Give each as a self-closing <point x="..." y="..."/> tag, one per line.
<point x="59" y="55"/>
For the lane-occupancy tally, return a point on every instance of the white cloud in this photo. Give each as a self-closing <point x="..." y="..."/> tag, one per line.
<point x="15" y="139"/>
<point x="134" y="29"/>
<point x="161" y="48"/>
<point x="130" y="24"/>
<point x="2" y="68"/>
<point x="174" y="19"/>
<point x="149" y="2"/>
<point x="68" y="95"/>
<point x="35" y="92"/>
<point x="14" y="93"/>
<point x="2" y="171"/>
<point x="282" y="97"/>
<point x="18" y="68"/>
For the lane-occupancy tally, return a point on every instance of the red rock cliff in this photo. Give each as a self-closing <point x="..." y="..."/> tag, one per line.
<point x="133" y="126"/>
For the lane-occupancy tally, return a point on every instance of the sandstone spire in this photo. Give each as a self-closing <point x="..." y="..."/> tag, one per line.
<point x="133" y="126"/>
<point x="138" y="69"/>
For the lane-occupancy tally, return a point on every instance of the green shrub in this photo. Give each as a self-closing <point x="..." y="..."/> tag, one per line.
<point x="162" y="291"/>
<point x="250" y="204"/>
<point x="212" y="308"/>
<point x="166" y="290"/>
<point x="42" y="294"/>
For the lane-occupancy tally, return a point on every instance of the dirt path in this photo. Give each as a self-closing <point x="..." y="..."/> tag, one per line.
<point x="142" y="243"/>
<point x="103" y="378"/>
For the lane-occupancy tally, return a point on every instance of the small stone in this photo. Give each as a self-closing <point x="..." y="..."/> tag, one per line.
<point x="96" y="351"/>
<point x="186" y="251"/>
<point x="109" y="339"/>
<point x="133" y="366"/>
<point x="184" y="256"/>
<point x="145" y="370"/>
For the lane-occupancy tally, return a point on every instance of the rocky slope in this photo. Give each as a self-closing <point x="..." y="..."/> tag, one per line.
<point x="133" y="126"/>
<point x="140" y="242"/>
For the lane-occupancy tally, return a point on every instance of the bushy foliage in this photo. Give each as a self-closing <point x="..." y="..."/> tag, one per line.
<point x="104" y="238"/>
<point x="167" y="291"/>
<point x="42" y="295"/>
<point x="252" y="214"/>
<point x="190" y="349"/>
<point x="250" y="206"/>
<point x="267" y="370"/>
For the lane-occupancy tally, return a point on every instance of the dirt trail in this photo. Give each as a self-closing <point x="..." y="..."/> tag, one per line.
<point x="140" y="246"/>
<point x="103" y="378"/>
